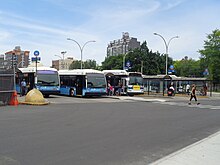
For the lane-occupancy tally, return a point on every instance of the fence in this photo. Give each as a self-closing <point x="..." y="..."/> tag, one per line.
<point x="6" y="86"/>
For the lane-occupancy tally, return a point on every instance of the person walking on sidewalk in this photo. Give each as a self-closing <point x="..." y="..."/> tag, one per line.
<point x="193" y="94"/>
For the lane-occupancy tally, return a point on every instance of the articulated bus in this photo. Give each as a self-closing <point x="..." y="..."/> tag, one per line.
<point x="131" y="83"/>
<point x="46" y="80"/>
<point x="82" y="82"/>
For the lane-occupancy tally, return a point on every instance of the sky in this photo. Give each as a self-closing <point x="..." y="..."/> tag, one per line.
<point x="45" y="25"/>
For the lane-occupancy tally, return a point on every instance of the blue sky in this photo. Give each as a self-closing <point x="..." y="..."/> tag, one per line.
<point x="45" y="25"/>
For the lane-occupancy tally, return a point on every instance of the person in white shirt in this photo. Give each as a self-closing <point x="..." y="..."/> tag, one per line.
<point x="187" y="88"/>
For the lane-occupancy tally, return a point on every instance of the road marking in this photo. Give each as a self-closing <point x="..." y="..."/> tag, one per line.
<point x="83" y="101"/>
<point x="182" y="104"/>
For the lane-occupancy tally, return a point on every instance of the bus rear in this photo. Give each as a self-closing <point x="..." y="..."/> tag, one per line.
<point x="135" y="84"/>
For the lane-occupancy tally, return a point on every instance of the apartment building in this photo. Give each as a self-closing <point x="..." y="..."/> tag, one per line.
<point x="62" y="64"/>
<point x="123" y="45"/>
<point x="18" y="57"/>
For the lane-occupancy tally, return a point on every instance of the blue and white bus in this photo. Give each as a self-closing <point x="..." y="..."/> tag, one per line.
<point x="82" y="82"/>
<point x="131" y="83"/>
<point x="46" y="80"/>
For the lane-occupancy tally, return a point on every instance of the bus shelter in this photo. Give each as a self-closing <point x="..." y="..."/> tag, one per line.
<point x="159" y="84"/>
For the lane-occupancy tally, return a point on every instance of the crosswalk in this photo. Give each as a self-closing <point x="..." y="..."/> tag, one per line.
<point x="184" y="104"/>
<point x="70" y="100"/>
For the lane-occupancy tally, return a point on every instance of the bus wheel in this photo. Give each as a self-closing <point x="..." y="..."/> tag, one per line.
<point x="71" y="92"/>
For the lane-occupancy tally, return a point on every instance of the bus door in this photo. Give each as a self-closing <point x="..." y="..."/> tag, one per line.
<point x="79" y="85"/>
<point x="30" y="80"/>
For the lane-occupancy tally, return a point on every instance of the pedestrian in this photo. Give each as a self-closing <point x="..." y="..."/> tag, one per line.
<point x="109" y="88"/>
<point x="119" y="88"/>
<point x="23" y="87"/>
<point x="187" y="88"/>
<point x="205" y="88"/>
<point x="171" y="90"/>
<point x="180" y="89"/>
<point x="193" y="94"/>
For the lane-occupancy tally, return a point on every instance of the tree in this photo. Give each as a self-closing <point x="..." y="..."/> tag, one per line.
<point x="210" y="55"/>
<point x="147" y="61"/>
<point x="113" y="62"/>
<point x="188" y="67"/>
<point x="141" y="59"/>
<point x="75" y="64"/>
<point x="88" y="64"/>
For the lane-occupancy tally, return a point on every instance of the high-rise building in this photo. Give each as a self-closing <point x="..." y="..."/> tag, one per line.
<point x="123" y="45"/>
<point x="18" y="57"/>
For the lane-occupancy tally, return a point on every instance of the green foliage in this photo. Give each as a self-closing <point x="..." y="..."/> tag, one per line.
<point x="75" y="65"/>
<point x="113" y="62"/>
<point x="88" y="64"/>
<point x="141" y="59"/>
<point x="188" y="68"/>
<point x="210" y="55"/>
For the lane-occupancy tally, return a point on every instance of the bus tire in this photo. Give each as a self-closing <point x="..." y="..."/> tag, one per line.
<point x="71" y="92"/>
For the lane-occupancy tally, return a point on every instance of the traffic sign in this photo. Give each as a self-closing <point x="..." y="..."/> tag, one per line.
<point x="36" y="53"/>
<point x="128" y="64"/>
<point x="171" y="67"/>
<point x="35" y="58"/>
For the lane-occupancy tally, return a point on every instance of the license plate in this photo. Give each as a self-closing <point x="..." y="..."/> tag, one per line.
<point x="136" y="87"/>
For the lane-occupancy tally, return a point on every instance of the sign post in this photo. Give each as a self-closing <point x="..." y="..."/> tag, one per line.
<point x="36" y="53"/>
<point x="128" y="65"/>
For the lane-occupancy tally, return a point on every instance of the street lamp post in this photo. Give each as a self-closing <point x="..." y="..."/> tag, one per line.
<point x="80" y="47"/>
<point x="63" y="53"/>
<point x="124" y="61"/>
<point x="62" y="58"/>
<point x="166" y="46"/>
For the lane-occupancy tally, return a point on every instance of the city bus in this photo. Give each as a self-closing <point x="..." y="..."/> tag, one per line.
<point x="131" y="83"/>
<point x="46" y="80"/>
<point x="82" y="82"/>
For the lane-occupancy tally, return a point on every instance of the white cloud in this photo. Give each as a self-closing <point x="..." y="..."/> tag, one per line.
<point x="104" y="21"/>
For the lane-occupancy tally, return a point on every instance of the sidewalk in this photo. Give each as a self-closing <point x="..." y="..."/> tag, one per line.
<point x="206" y="151"/>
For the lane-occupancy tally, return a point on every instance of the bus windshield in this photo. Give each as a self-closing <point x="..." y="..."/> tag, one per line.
<point x="134" y="80"/>
<point x="47" y="78"/>
<point x="95" y="80"/>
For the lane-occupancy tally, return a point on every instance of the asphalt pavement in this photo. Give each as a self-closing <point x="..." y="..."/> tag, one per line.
<point x="206" y="151"/>
<point x="203" y="152"/>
